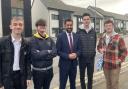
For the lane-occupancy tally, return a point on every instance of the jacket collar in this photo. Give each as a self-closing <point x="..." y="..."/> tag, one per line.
<point x="111" y="38"/>
<point x="37" y="35"/>
<point x="83" y="28"/>
<point x="13" y="39"/>
<point x="23" y="42"/>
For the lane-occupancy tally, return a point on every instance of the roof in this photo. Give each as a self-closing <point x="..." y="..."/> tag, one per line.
<point x="101" y="11"/>
<point x="56" y="4"/>
<point x="126" y="16"/>
<point x="109" y="14"/>
<point x="60" y="5"/>
<point x="78" y="11"/>
<point x="81" y="11"/>
<point x="118" y="16"/>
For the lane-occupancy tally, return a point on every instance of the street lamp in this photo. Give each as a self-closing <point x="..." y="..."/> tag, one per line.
<point x="95" y="17"/>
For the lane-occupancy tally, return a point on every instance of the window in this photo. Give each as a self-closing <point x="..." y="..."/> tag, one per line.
<point x="17" y="7"/>
<point x="55" y="17"/>
<point x="14" y="12"/>
<point x="17" y="12"/>
<point x="20" y="12"/>
<point x="55" y="31"/>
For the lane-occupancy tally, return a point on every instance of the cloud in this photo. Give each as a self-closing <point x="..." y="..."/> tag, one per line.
<point x="81" y="3"/>
<point x="85" y="3"/>
<point x="117" y="6"/>
<point x="107" y="2"/>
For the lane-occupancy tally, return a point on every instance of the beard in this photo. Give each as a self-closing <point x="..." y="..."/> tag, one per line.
<point x="69" y="30"/>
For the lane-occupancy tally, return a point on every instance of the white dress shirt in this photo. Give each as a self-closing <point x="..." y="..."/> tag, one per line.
<point x="107" y="39"/>
<point x="17" y="45"/>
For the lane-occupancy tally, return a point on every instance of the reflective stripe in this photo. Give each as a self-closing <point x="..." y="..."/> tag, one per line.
<point x="40" y="69"/>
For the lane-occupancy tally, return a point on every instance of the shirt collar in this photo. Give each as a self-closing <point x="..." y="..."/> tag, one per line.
<point x="88" y="29"/>
<point x="68" y="33"/>
<point x="107" y="36"/>
<point x="112" y="34"/>
<point x="14" y="40"/>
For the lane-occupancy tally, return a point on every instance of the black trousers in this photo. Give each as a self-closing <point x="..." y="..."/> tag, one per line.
<point x="42" y="79"/>
<point x="90" y="70"/>
<point x="15" y="81"/>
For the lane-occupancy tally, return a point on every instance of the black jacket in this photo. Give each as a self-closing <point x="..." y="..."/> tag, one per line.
<point x="87" y="42"/>
<point x="7" y="58"/>
<point x="41" y="57"/>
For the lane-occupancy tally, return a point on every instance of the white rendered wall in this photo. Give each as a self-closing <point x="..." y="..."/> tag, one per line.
<point x="74" y="24"/>
<point x="39" y="11"/>
<point x="53" y="23"/>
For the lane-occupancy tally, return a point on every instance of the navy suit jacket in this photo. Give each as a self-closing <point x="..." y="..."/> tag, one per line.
<point x="63" y="49"/>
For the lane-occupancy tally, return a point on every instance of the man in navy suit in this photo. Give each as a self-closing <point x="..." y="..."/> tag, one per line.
<point x="67" y="48"/>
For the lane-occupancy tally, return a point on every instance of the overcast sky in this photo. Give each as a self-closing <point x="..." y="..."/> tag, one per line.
<point x="116" y="6"/>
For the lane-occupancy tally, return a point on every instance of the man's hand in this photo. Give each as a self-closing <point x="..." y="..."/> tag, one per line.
<point x="101" y="50"/>
<point x="29" y="83"/>
<point x="118" y="61"/>
<point x="49" y="51"/>
<point x="72" y="56"/>
<point x="2" y="88"/>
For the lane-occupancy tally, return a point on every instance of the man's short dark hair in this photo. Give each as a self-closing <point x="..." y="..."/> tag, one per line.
<point x="109" y="21"/>
<point x="40" y="22"/>
<point x="86" y="14"/>
<point x="68" y="20"/>
<point x="17" y="18"/>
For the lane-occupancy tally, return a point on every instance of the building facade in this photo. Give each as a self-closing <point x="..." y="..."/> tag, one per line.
<point x="54" y="12"/>
<point x="10" y="8"/>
